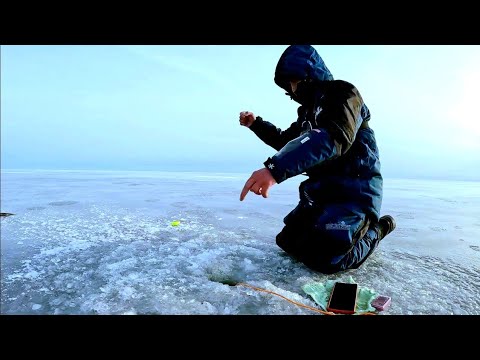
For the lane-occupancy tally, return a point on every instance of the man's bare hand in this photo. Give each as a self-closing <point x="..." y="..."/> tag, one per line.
<point x="259" y="183"/>
<point x="247" y="118"/>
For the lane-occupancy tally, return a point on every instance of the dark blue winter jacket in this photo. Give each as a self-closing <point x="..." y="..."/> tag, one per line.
<point x="331" y="140"/>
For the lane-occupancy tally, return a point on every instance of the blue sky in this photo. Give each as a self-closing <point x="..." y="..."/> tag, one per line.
<point x="176" y="107"/>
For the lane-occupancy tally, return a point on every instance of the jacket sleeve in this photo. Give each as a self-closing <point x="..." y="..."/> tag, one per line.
<point x="338" y="122"/>
<point x="273" y="136"/>
<point x="341" y="114"/>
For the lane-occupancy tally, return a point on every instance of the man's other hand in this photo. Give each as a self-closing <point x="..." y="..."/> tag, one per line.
<point x="247" y="118"/>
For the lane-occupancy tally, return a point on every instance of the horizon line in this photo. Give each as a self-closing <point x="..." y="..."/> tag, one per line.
<point x="220" y="172"/>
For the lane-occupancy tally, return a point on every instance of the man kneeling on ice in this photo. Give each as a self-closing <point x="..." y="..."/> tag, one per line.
<point x="336" y="225"/>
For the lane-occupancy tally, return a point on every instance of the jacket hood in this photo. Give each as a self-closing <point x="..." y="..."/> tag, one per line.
<point x="300" y="62"/>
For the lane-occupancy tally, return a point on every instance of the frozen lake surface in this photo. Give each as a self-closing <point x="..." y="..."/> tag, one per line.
<point x="103" y="243"/>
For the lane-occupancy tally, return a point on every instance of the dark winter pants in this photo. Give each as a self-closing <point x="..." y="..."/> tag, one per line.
<point x="330" y="238"/>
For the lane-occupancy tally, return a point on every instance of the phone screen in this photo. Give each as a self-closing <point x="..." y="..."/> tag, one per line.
<point x="343" y="298"/>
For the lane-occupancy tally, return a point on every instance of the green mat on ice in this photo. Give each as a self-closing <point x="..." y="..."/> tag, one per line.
<point x="320" y="292"/>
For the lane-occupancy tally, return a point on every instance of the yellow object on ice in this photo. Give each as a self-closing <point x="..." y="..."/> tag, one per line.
<point x="175" y="223"/>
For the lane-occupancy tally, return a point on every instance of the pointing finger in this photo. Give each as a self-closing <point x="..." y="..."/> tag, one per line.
<point x="246" y="188"/>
